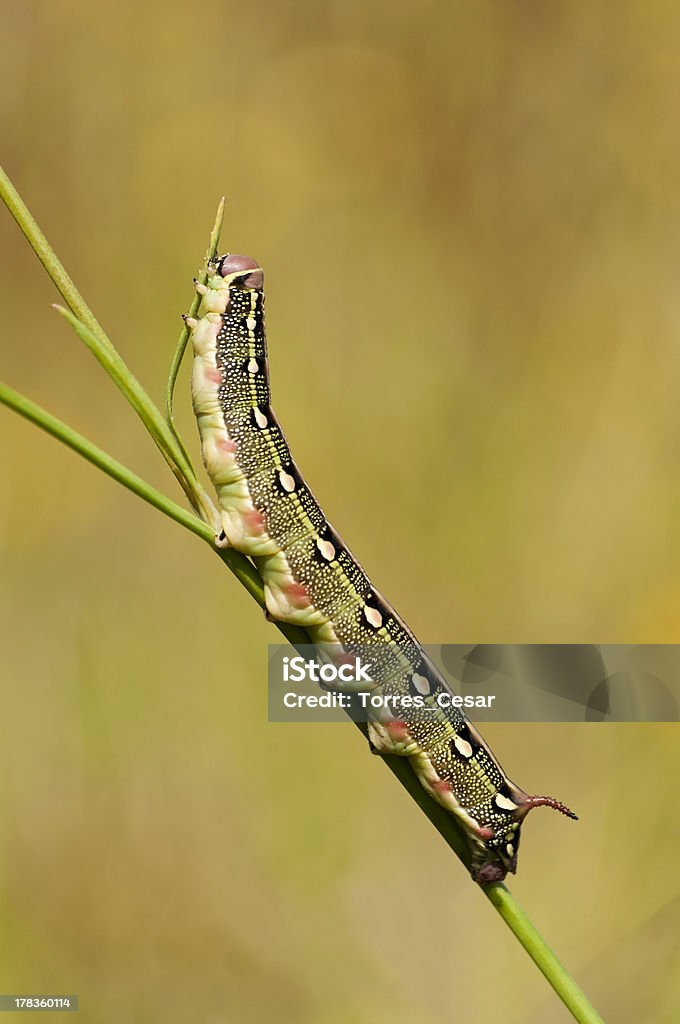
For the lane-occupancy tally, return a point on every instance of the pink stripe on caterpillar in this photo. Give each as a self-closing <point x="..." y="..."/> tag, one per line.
<point x="298" y="595"/>
<point x="397" y="730"/>
<point x="254" y="520"/>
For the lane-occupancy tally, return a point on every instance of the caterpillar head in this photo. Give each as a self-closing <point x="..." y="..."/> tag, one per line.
<point x="241" y="271"/>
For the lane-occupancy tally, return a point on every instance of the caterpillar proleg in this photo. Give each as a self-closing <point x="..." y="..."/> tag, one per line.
<point x="312" y="579"/>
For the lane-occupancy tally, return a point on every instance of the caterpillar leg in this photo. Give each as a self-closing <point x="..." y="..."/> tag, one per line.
<point x="391" y="737"/>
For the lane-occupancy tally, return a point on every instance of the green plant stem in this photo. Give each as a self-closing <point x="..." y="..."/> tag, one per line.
<point x="242" y="568"/>
<point x="72" y="439"/>
<point x="47" y="257"/>
<point x="90" y="331"/>
<point x="149" y="415"/>
<point x="97" y="341"/>
<point x="540" y="952"/>
<point x="193" y="310"/>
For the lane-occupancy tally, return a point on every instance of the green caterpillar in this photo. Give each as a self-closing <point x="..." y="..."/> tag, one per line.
<point x="313" y="580"/>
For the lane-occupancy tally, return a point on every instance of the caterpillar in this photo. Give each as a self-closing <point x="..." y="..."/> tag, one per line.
<point x="312" y="579"/>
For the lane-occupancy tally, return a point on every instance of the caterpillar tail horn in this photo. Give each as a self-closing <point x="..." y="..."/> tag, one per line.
<point x="546" y="801"/>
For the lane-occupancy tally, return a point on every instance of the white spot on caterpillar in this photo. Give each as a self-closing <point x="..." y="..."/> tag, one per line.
<point x="260" y="418"/>
<point x="251" y="323"/>
<point x="421" y="684"/>
<point x="253" y="367"/>
<point x="373" y="616"/>
<point x="504" y="803"/>
<point x="326" y="549"/>
<point x="287" y="481"/>
<point x="509" y="849"/>
<point x="463" y="747"/>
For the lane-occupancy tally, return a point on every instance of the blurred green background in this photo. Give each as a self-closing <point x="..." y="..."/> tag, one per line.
<point x="470" y="220"/>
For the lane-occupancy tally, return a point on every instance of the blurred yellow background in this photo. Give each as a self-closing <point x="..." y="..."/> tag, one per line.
<point x="469" y="215"/>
